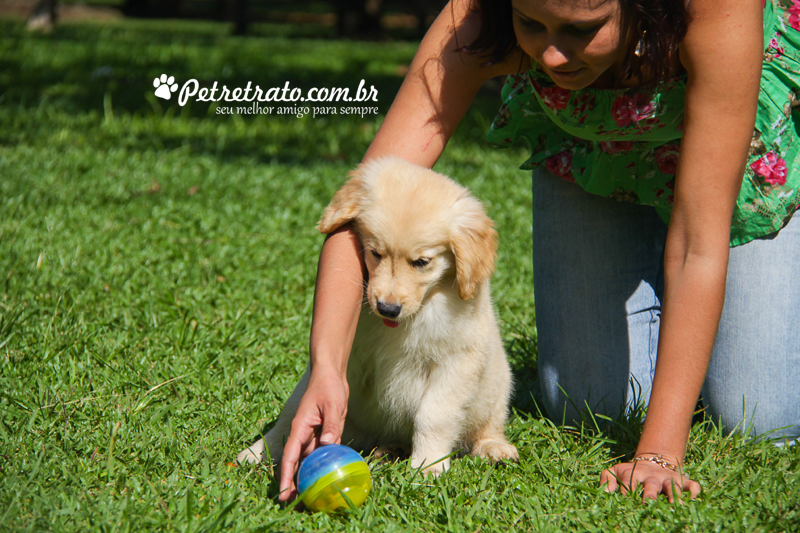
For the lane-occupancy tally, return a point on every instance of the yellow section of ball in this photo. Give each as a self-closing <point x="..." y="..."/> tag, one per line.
<point x="333" y="490"/>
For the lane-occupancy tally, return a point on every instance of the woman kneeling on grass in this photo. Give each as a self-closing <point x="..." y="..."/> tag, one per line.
<point x="659" y="167"/>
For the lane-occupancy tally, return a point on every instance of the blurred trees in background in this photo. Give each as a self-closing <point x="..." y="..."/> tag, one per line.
<point x="354" y="19"/>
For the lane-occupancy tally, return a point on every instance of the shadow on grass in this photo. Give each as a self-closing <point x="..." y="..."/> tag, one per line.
<point x="522" y="356"/>
<point x="620" y="432"/>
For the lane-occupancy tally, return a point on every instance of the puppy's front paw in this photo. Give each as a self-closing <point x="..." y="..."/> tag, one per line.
<point x="391" y="452"/>
<point x="253" y="454"/>
<point x="436" y="469"/>
<point x="496" y="451"/>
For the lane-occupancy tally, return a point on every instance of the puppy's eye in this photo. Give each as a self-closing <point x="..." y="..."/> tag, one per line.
<point x="375" y="254"/>
<point x="422" y="262"/>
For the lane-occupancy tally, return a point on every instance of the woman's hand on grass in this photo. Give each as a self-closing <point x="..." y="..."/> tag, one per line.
<point x="319" y="420"/>
<point x="651" y="478"/>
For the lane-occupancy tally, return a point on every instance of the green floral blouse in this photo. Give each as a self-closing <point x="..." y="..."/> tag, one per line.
<point x="624" y="144"/>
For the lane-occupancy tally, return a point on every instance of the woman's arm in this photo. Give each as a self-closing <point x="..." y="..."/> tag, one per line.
<point x="437" y="91"/>
<point x="441" y="84"/>
<point x="722" y="53"/>
<point x="337" y="303"/>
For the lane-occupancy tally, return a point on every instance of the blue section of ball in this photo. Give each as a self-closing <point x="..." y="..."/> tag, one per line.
<point x="322" y="461"/>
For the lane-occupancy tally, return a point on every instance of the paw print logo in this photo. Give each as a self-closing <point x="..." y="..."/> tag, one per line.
<point x="164" y="86"/>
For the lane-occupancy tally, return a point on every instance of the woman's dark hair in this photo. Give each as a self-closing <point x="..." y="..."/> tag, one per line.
<point x="656" y="26"/>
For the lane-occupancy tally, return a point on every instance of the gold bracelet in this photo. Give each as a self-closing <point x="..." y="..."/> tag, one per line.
<point x="659" y="460"/>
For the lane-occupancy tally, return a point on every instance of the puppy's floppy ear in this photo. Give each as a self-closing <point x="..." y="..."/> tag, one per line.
<point x="345" y="205"/>
<point x="474" y="243"/>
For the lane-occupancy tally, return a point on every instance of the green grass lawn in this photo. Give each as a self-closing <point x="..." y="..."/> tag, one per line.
<point x="157" y="267"/>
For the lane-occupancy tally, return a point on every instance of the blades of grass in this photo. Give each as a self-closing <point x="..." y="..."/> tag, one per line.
<point x="16" y="401"/>
<point x="533" y="513"/>
<point x="447" y="504"/>
<point x="110" y="461"/>
<point x="8" y="515"/>
<point x="398" y="508"/>
<point x="189" y="508"/>
<point x="272" y="524"/>
<point x="218" y="520"/>
<point x="478" y="505"/>
<point x="145" y="402"/>
<point x="485" y="479"/>
<point x="108" y="108"/>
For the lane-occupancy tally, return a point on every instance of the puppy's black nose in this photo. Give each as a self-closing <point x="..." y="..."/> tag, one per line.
<point x="389" y="310"/>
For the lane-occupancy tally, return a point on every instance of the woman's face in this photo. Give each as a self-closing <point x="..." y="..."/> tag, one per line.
<point x="577" y="43"/>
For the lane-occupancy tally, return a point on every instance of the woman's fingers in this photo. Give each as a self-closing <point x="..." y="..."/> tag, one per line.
<point x="694" y="488"/>
<point x="291" y="456"/>
<point x="300" y="442"/>
<point x="332" y="423"/>
<point x="609" y="479"/>
<point x="651" y="488"/>
<point x="671" y="490"/>
<point x="675" y="488"/>
<point x="652" y="480"/>
<point x="319" y="420"/>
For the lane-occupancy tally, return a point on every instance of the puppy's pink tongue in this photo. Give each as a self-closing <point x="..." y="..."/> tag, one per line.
<point x="390" y="323"/>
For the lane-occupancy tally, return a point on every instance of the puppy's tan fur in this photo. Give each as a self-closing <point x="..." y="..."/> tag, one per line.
<point x="439" y="380"/>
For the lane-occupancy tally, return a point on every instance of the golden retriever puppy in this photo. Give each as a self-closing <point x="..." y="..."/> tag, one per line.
<point x="427" y="370"/>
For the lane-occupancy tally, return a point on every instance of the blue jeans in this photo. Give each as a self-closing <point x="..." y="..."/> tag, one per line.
<point x="598" y="284"/>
